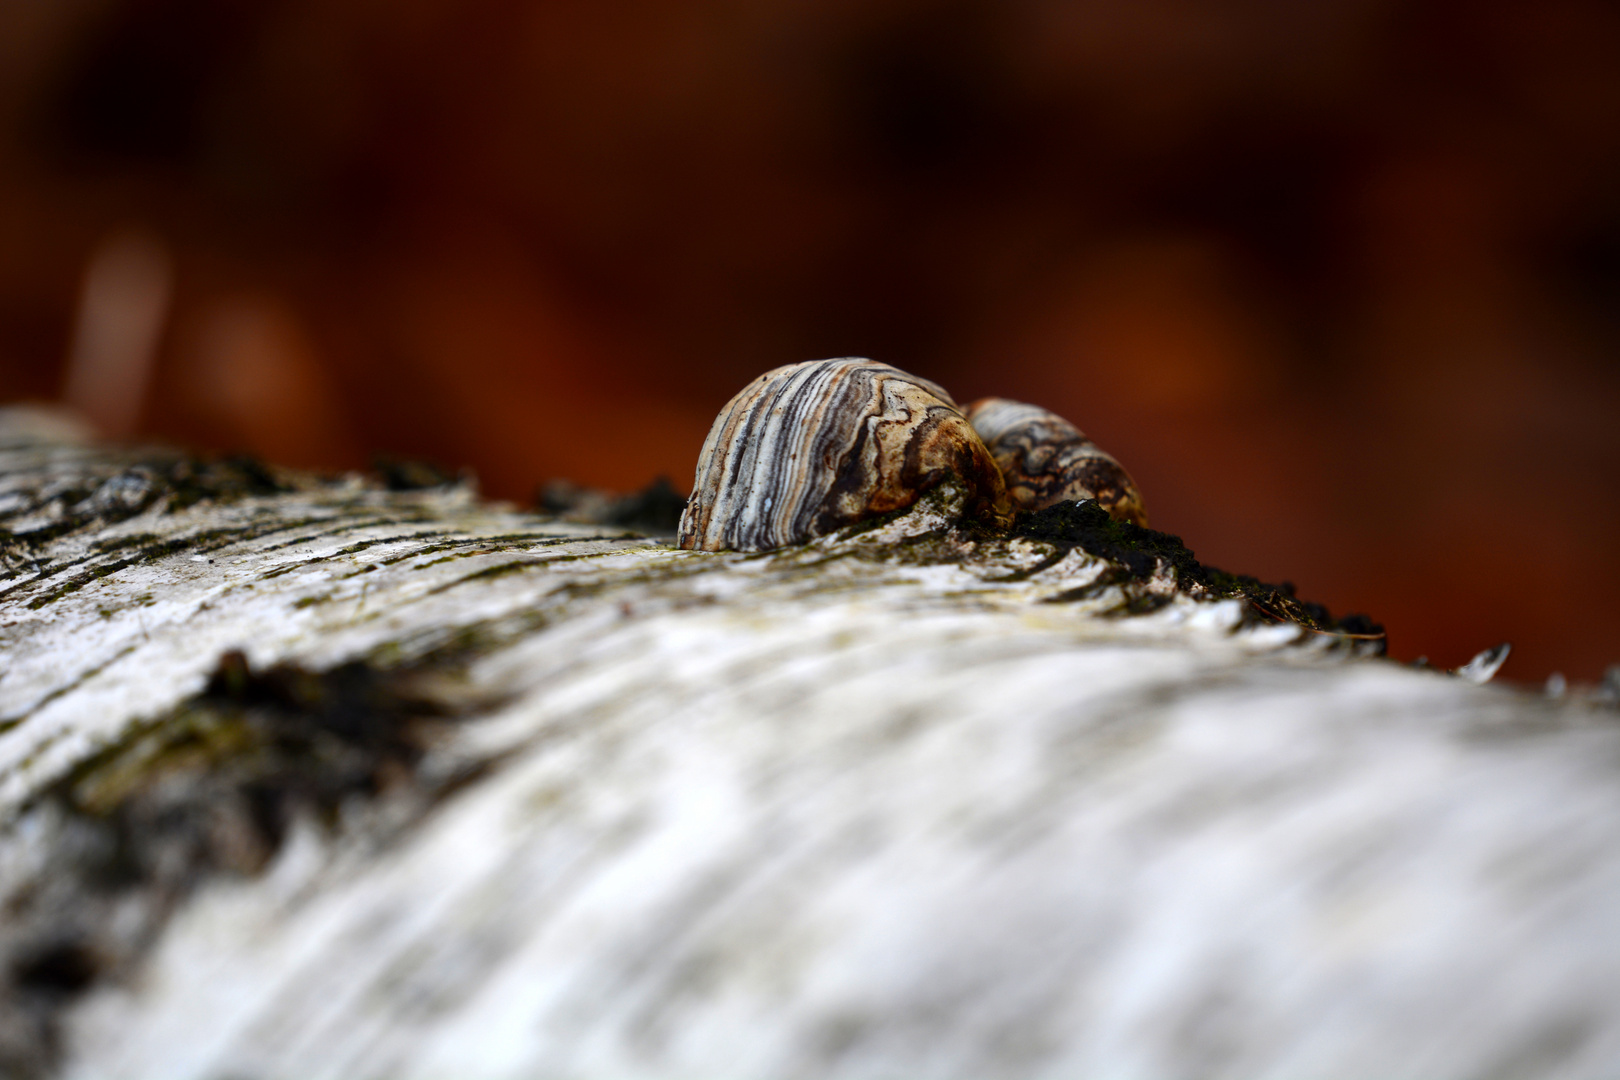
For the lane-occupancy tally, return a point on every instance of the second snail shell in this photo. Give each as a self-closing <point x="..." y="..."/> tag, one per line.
<point x="1046" y="460"/>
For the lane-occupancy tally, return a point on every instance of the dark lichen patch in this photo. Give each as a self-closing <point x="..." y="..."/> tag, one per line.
<point x="293" y="737"/>
<point x="405" y="474"/>
<point x="211" y="789"/>
<point x="1138" y="553"/>
<point x="154" y="480"/>
<point x="16" y="552"/>
<point x="654" y="510"/>
<point x="194" y="480"/>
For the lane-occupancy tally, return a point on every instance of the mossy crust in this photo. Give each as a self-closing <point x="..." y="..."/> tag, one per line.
<point x="655" y="510"/>
<point x="180" y="481"/>
<point x="213" y="787"/>
<point x="1137" y="553"/>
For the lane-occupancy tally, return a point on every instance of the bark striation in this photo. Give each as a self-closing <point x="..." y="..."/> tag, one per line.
<point x="304" y="777"/>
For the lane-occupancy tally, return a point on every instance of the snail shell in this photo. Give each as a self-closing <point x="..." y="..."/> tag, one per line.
<point x="808" y="448"/>
<point x="1046" y="460"/>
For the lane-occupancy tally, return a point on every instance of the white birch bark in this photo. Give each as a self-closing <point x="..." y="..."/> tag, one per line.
<point x="890" y="804"/>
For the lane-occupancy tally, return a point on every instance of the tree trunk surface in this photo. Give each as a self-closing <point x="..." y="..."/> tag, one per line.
<point x="303" y="777"/>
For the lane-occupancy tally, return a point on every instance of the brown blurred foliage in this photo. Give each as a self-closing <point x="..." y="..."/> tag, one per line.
<point x="1339" y="281"/>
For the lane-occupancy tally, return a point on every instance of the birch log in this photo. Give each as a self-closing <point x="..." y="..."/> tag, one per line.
<point x="307" y="778"/>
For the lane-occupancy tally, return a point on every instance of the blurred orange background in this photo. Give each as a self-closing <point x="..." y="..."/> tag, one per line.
<point x="1338" y="281"/>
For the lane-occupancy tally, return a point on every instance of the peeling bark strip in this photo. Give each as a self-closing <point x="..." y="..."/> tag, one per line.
<point x="313" y="779"/>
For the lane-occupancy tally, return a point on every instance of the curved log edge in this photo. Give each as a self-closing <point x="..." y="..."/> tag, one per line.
<point x="305" y="778"/>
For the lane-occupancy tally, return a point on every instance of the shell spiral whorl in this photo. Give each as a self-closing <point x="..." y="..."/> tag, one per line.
<point x="808" y="448"/>
<point x="1046" y="460"/>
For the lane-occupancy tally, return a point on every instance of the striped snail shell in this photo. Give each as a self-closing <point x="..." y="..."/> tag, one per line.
<point x="1046" y="460"/>
<point x="808" y="448"/>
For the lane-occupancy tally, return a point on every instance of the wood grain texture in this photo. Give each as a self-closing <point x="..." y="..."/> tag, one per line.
<point x="901" y="801"/>
<point x="808" y="448"/>
<point x="1045" y="460"/>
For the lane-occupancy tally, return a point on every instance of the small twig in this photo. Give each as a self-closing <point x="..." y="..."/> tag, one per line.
<point x="1276" y="617"/>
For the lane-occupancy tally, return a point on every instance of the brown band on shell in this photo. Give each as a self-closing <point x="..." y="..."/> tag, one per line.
<point x="808" y="448"/>
<point x="1046" y="460"/>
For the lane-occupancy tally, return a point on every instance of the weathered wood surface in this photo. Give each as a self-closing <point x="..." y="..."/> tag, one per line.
<point x="529" y="798"/>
